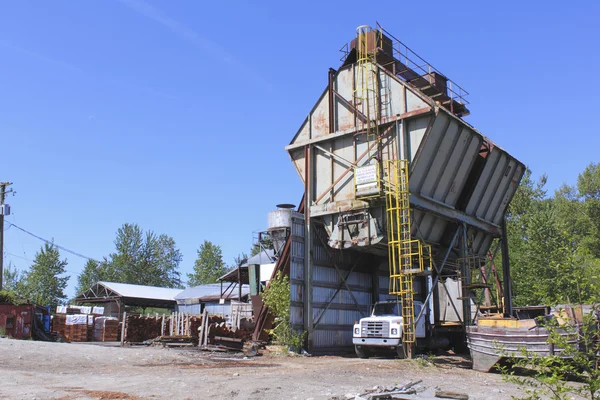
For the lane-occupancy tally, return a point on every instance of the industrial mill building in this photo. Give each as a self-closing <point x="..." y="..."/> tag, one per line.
<point x="402" y="198"/>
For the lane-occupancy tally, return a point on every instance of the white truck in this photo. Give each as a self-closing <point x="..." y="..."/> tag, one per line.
<point x="383" y="329"/>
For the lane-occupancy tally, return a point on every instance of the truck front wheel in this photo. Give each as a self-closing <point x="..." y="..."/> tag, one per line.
<point x="400" y="351"/>
<point x="361" y="352"/>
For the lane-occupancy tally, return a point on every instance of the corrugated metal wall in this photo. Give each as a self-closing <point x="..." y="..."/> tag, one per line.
<point x="297" y="271"/>
<point x="334" y="307"/>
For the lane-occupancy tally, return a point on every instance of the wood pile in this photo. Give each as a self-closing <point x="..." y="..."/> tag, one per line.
<point x="59" y="324"/>
<point x="106" y="329"/>
<point x="76" y="333"/>
<point x="76" y="328"/>
<point x="140" y="328"/>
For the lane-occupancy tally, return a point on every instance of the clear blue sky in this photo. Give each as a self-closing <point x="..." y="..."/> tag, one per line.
<point x="174" y="115"/>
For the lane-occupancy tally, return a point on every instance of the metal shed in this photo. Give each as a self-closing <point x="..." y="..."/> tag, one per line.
<point x="115" y="296"/>
<point x="196" y="299"/>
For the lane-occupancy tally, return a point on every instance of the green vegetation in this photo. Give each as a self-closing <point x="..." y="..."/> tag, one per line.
<point x="554" y="241"/>
<point x="547" y="377"/>
<point x="141" y="257"/>
<point x="209" y="265"/>
<point x="277" y="298"/>
<point x="45" y="281"/>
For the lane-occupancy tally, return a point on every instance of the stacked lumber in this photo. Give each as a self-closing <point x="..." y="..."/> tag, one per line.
<point x="140" y="328"/>
<point x="219" y="328"/>
<point x="90" y="327"/>
<point x="76" y="328"/>
<point x="59" y="324"/>
<point x="106" y="329"/>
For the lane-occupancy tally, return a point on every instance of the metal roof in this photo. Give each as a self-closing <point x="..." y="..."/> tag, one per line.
<point x="266" y="256"/>
<point x="128" y="294"/>
<point x="208" y="292"/>
<point x="199" y="291"/>
<point x="141" y="291"/>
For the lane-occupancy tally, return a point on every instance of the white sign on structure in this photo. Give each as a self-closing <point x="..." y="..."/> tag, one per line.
<point x="366" y="180"/>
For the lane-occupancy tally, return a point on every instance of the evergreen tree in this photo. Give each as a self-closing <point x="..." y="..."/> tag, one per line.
<point x="45" y="281"/>
<point x="209" y="265"/>
<point x="13" y="280"/>
<point x="141" y="258"/>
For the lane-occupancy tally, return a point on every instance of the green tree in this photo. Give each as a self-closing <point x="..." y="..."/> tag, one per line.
<point x="143" y="258"/>
<point x="93" y="272"/>
<point x="13" y="280"/>
<point x="209" y="265"/>
<point x="45" y="281"/>
<point x="551" y="243"/>
<point x="277" y="297"/>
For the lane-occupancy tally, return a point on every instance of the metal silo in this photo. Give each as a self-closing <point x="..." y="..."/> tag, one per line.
<point x="402" y="196"/>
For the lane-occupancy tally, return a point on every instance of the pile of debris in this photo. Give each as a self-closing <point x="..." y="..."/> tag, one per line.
<point x="400" y="392"/>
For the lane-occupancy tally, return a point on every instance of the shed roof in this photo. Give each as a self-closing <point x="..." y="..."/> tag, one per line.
<point x="266" y="256"/>
<point x="148" y="296"/>
<point x="209" y="292"/>
<point x="141" y="291"/>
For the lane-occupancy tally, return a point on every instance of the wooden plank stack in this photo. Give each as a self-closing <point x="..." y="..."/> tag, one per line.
<point x="141" y="328"/>
<point x="76" y="328"/>
<point x="59" y="324"/>
<point x="106" y="329"/>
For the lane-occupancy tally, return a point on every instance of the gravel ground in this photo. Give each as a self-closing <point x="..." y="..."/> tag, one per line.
<point x="39" y="370"/>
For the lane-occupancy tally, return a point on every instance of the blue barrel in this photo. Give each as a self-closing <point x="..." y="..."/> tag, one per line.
<point x="46" y="319"/>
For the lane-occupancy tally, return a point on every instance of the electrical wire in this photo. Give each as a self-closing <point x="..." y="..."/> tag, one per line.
<point x="14" y="255"/>
<point x="50" y="242"/>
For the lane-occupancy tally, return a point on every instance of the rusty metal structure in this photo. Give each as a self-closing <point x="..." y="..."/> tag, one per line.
<point x="385" y="106"/>
<point x="23" y="321"/>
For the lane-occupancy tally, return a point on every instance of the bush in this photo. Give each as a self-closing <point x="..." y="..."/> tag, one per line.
<point x="548" y="376"/>
<point x="277" y="298"/>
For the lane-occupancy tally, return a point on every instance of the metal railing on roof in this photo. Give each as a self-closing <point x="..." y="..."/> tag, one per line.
<point x="405" y="56"/>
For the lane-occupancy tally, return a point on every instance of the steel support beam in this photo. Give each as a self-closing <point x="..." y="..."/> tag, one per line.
<point x="452" y="214"/>
<point x="308" y="267"/>
<point x="508" y="309"/>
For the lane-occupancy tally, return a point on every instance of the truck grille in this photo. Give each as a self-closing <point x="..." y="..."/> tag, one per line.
<point x="375" y="329"/>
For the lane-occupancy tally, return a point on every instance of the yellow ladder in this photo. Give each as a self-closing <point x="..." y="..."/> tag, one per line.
<point x="407" y="257"/>
<point x="366" y="92"/>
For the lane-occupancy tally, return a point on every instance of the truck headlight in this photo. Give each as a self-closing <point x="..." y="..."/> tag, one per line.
<point x="357" y="331"/>
<point x="394" y="331"/>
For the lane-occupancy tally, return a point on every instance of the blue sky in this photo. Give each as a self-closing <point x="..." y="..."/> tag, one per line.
<point x="175" y="115"/>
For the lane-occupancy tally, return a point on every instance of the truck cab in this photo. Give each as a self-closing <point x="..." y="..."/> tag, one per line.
<point x="382" y="331"/>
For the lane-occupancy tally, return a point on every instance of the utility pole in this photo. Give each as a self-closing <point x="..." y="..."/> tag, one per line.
<point x="4" y="210"/>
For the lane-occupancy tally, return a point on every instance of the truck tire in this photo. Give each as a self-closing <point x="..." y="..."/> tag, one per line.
<point x="361" y="352"/>
<point x="400" y="351"/>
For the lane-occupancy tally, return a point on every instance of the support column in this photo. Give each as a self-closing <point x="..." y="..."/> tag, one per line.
<point x="506" y="273"/>
<point x="308" y="308"/>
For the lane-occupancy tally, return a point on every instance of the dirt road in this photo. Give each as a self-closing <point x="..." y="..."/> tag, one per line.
<point x="84" y="371"/>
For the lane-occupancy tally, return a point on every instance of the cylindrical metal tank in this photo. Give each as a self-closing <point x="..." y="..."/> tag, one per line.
<point x="280" y="218"/>
<point x="279" y="224"/>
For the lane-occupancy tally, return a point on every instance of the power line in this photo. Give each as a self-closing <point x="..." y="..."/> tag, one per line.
<point x="51" y="242"/>
<point x="14" y="255"/>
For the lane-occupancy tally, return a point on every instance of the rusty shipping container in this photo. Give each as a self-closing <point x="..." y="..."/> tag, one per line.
<point x="17" y="321"/>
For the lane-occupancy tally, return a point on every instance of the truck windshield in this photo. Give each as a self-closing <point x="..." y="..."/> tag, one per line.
<point x="388" y="309"/>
